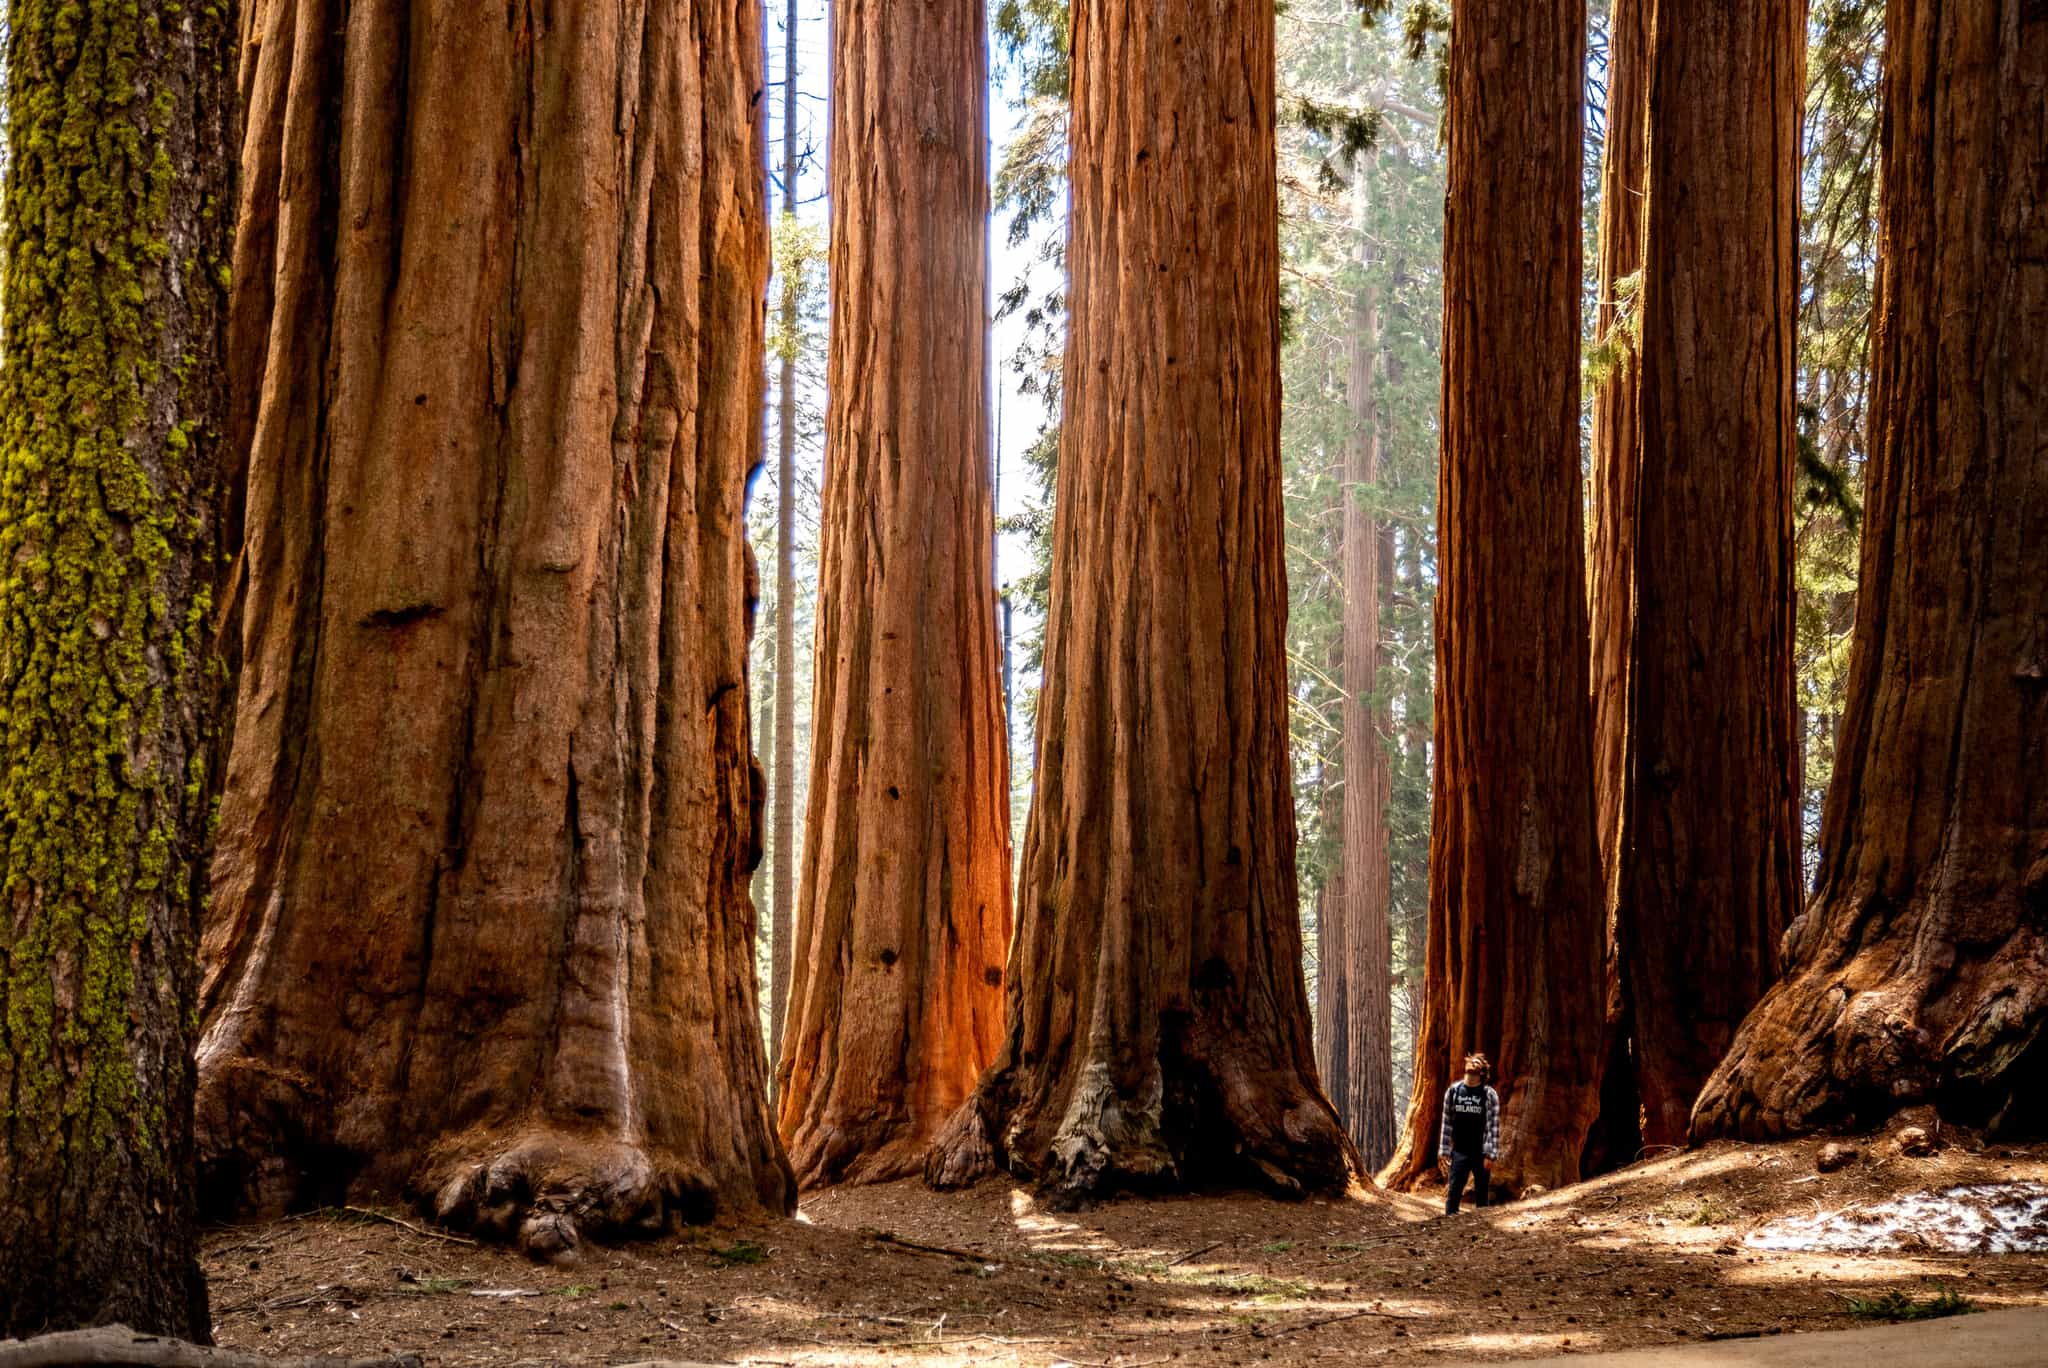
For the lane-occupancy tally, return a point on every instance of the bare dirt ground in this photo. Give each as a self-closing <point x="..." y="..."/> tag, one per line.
<point x="1651" y="1255"/>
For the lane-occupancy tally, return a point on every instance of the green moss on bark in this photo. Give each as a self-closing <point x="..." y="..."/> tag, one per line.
<point x="109" y="471"/>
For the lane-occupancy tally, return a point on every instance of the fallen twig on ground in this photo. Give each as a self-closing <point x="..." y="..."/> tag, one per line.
<point x="1193" y="1253"/>
<point x="1261" y="1332"/>
<point x="116" y="1346"/>
<point x="421" y="1231"/>
<point x="967" y="1255"/>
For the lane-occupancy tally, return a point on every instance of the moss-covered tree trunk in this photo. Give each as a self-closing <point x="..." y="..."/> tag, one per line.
<point x="120" y="121"/>
<point x="481" y="932"/>
<point x="1919" y="970"/>
<point x="1708" y="857"/>
<point x="1158" y="1029"/>
<point x="1515" y="906"/>
<point x="904" y="910"/>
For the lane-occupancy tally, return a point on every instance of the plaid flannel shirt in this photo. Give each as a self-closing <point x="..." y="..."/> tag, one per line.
<point x="1492" y="1145"/>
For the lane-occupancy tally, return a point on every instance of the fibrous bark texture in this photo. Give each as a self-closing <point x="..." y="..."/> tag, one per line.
<point x="1514" y="960"/>
<point x="480" y="930"/>
<point x="120" y="121"/>
<point x="1617" y="457"/>
<point x="1365" y="891"/>
<point x="1708" y="871"/>
<point x="1157" y="1021"/>
<point x="904" y="910"/>
<point x="1919" y="971"/>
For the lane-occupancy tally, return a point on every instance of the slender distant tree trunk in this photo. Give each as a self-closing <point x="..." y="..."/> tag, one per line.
<point x="1919" y="971"/>
<point x="112" y="405"/>
<point x="1617" y="459"/>
<point x="782" y="932"/>
<point x="904" y="914"/>
<point x="1158" y="1030"/>
<point x="1333" y="1007"/>
<point x="1515" y="933"/>
<point x="480" y="931"/>
<point x="1709" y="856"/>
<point x="1368" y="938"/>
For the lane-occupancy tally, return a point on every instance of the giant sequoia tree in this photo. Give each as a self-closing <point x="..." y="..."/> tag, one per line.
<point x="120" y="119"/>
<point x="1515" y="906"/>
<point x="1920" y="969"/>
<point x="480" y="928"/>
<point x="1616" y="447"/>
<point x="904" y="915"/>
<point x="1707" y="865"/>
<point x="1158" y="1025"/>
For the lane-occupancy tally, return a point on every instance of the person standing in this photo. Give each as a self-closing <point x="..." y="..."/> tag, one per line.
<point x="1470" y="1138"/>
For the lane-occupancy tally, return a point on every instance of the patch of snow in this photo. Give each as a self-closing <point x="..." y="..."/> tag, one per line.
<point x="1976" y="1218"/>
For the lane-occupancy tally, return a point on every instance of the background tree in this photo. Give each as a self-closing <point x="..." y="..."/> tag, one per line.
<point x="1515" y="932"/>
<point x="1158" y="1027"/>
<point x="1708" y="863"/>
<point x="120" y="124"/>
<point x="1915" y="972"/>
<point x="494" y="577"/>
<point x="1617" y="460"/>
<point x="782" y="789"/>
<point x="905" y="903"/>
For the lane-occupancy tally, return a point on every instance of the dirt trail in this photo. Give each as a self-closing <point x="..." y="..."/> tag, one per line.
<point x="1650" y="1256"/>
<point x="2010" y="1339"/>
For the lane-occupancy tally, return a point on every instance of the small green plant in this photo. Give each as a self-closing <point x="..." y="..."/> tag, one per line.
<point x="1067" y="1258"/>
<point x="1277" y="1247"/>
<point x="573" y="1291"/>
<point x="430" y="1287"/>
<point x="741" y="1252"/>
<point x="1895" y="1305"/>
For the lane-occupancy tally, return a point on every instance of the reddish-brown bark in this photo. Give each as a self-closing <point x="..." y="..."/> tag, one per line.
<point x="480" y="931"/>
<point x="1333" y="1008"/>
<point x="1368" y="1078"/>
<point x="1157" y="1020"/>
<point x="1617" y="457"/>
<point x="1515" y="934"/>
<point x="1919" y="971"/>
<point x="904" y="911"/>
<point x="1708" y="861"/>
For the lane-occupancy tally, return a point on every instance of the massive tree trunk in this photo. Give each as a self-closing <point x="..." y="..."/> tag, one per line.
<point x="904" y="914"/>
<point x="1515" y="934"/>
<point x="1919" y="971"/>
<point x="480" y="930"/>
<point x="1158" y="1024"/>
<point x="1617" y="458"/>
<point x="1708" y="869"/>
<point x="782" y="921"/>
<point x="112" y="406"/>
<point x="1368" y="1080"/>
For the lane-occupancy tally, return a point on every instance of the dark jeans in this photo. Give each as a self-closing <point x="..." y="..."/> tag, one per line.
<point x="1462" y="1167"/>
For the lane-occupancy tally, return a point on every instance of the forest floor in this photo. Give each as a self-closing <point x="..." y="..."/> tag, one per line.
<point x="1659" y="1253"/>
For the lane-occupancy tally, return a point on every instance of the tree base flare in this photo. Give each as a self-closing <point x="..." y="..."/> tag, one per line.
<point x="1197" y="1134"/>
<point x="548" y="1193"/>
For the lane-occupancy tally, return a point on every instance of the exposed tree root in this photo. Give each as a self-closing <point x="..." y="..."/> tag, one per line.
<point x="124" y="1348"/>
